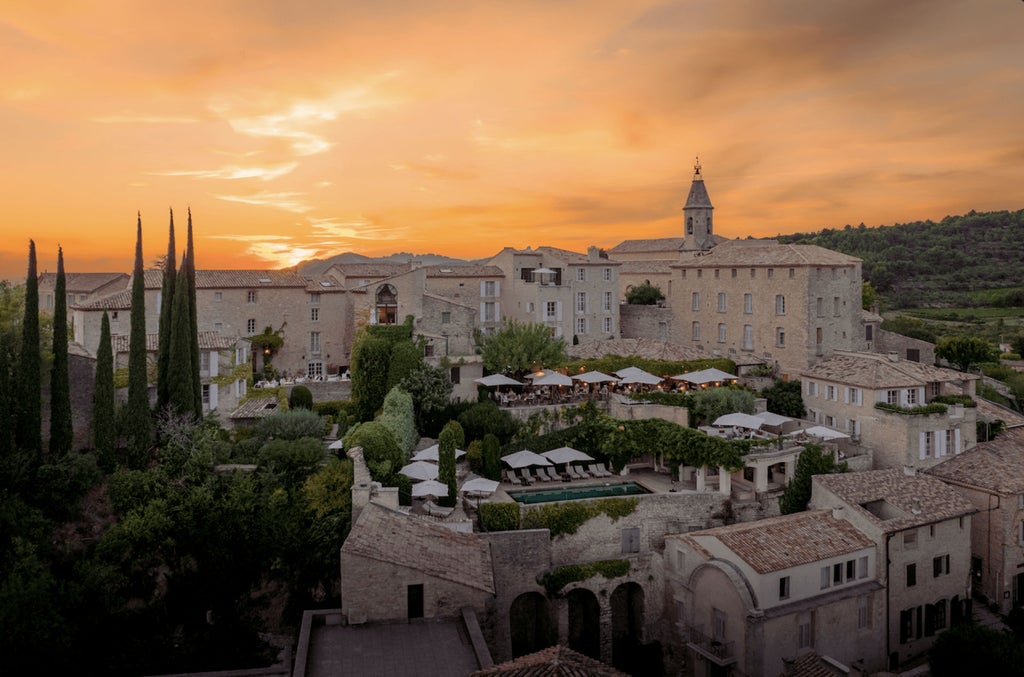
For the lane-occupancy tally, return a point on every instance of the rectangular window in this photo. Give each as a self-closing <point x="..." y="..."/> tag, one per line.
<point x="606" y="301"/>
<point x="851" y="569"/>
<point x="927" y="444"/>
<point x="218" y="327"/>
<point x="608" y="325"/>
<point x="733" y="272"/>
<point x="771" y="273"/>
<point x="455" y="375"/>
<point x="784" y="587"/>
<point x="837" y="574"/>
<point x="717" y="625"/>
<point x="748" y="304"/>
<point x="748" y="337"/>
<point x="806" y="635"/>
<point x="446" y="317"/>
<point x="206" y="394"/>
<point x="721" y="333"/>
<point x="826" y="577"/>
<point x="910" y="539"/>
<point x="314" y="298"/>
<point x="581" y="302"/>
<point x="250" y="296"/>
<point x="630" y="540"/>
<point x="250" y="326"/>
<point x="863" y="612"/>
<point x="218" y="296"/>
<point x="581" y="274"/>
<point x="204" y="361"/>
<point x="911" y="396"/>
<point x="695" y="331"/>
<point x="911" y="575"/>
<point x="792" y="273"/>
<point x="490" y="311"/>
<point x="856" y="396"/>
<point x="830" y="393"/>
<point x="940" y="566"/>
<point x="869" y="332"/>
<point x="581" y="325"/>
<point x="315" y="369"/>
<point x="606" y="274"/>
<point x="314" y="314"/>
<point x="314" y="342"/>
<point x="551" y="310"/>
<point x="862" y="567"/>
<point x="780" y="304"/>
<point x="695" y="301"/>
<point x="717" y="273"/>
<point x="780" y="337"/>
<point x="892" y="397"/>
<point x="907" y="625"/>
<point x="819" y="306"/>
<point x="490" y="288"/>
<point x="835" y="306"/>
<point x="721" y="301"/>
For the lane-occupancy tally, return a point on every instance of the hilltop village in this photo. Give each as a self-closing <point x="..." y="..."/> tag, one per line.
<point x="697" y="571"/>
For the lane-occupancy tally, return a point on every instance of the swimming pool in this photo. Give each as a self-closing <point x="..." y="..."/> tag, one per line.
<point x="575" y="493"/>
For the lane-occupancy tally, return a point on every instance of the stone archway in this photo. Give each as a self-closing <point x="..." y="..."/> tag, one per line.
<point x="532" y="624"/>
<point x="584" y="622"/>
<point x="627" y="607"/>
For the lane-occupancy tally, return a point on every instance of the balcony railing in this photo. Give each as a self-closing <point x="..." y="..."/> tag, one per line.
<point x="719" y="652"/>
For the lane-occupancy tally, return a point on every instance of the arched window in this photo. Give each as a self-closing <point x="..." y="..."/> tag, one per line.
<point x="689" y="225"/>
<point x="386" y="305"/>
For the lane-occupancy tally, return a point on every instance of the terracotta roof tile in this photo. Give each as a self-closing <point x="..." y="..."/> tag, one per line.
<point x="80" y="282"/>
<point x="122" y="300"/>
<point x="650" y="266"/>
<point x="472" y="270"/>
<point x="659" y="244"/>
<point x="778" y="543"/>
<point x="876" y="371"/>
<point x="918" y="498"/>
<point x="766" y="253"/>
<point x="256" y="407"/>
<point x="997" y="465"/>
<point x="555" y="661"/>
<point x="434" y="550"/>
<point x="208" y="340"/>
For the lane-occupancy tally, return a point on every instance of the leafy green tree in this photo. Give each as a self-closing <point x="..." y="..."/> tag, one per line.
<point x="968" y="649"/>
<point x="163" y="355"/>
<point x="813" y="461"/>
<point x="383" y="456"/>
<point x="644" y="294"/>
<point x="709" y="404"/>
<point x="104" y="430"/>
<point x="61" y="433"/>
<point x="430" y="389"/>
<point x="300" y="398"/>
<point x="909" y="326"/>
<point x="139" y="430"/>
<point x="518" y="348"/>
<point x="179" y="354"/>
<point x="406" y="356"/>
<point x="291" y="425"/>
<point x="28" y="434"/>
<point x="446" y="446"/>
<point x="398" y="417"/>
<point x="370" y="358"/>
<point x="292" y="458"/>
<point x="868" y="295"/>
<point x="492" y="457"/>
<point x="486" y="418"/>
<point x="786" y="399"/>
<point x="965" y="352"/>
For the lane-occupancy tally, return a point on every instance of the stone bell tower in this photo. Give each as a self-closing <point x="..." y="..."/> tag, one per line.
<point x="699" y="234"/>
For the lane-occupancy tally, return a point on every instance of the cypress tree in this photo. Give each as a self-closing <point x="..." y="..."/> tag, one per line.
<point x="446" y="442"/>
<point x="166" y="303"/>
<point x="28" y="433"/>
<point x="104" y="431"/>
<point x="179" y="385"/>
<point x="197" y="387"/>
<point x="61" y="433"/>
<point x="139" y="430"/>
<point x="7" y="420"/>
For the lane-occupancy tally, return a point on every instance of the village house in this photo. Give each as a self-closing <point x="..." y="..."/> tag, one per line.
<point x="750" y="596"/>
<point x="921" y="529"/>
<point x="991" y="477"/>
<point x="889" y="405"/>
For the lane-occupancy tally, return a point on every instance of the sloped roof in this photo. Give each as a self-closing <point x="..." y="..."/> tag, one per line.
<point x="256" y="407"/>
<point x="766" y="253"/>
<point x="80" y="282"/>
<point x="996" y="466"/>
<point x="473" y="270"/>
<point x="698" y="196"/>
<point x="778" y="543"/>
<point x="660" y="244"/>
<point x="876" y="371"/>
<point x="647" y="267"/>
<point x="323" y="284"/>
<point x="395" y="538"/>
<point x="208" y="340"/>
<point x="554" y="661"/>
<point x="122" y="300"/>
<point x="918" y="498"/>
<point x="370" y="269"/>
<point x="122" y="343"/>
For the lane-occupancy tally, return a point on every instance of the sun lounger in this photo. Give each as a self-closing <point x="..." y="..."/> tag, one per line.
<point x="541" y="475"/>
<point x="601" y="470"/>
<point x="580" y="471"/>
<point x="505" y="477"/>
<point x="553" y="474"/>
<point x="573" y="473"/>
<point x="524" y="477"/>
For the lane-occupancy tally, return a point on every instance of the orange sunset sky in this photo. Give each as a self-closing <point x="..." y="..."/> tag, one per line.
<point x="305" y="129"/>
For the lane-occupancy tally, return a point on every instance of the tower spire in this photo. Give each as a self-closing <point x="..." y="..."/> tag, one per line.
<point x="696" y="167"/>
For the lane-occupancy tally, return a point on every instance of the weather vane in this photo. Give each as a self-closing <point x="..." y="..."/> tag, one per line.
<point x="696" y="165"/>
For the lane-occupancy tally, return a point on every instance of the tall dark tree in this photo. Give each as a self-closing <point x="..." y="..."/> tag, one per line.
<point x="104" y="431"/>
<point x="7" y="419"/>
<point x="28" y="433"/>
<point x="197" y="387"/>
<point x="446" y="445"/>
<point x="166" y="303"/>
<point x="179" y="385"/>
<point x="61" y="433"/>
<point x="139" y="427"/>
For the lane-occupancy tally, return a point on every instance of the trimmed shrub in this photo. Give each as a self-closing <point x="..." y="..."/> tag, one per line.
<point x="560" y="577"/>
<point x="300" y="398"/>
<point x="499" y="516"/>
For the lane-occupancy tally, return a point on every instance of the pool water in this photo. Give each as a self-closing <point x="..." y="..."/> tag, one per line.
<point x="576" y="493"/>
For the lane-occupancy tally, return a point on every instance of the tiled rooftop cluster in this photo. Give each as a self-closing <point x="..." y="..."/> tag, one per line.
<point x="997" y="465"/>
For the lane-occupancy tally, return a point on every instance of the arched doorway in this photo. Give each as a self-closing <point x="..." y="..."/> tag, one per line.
<point x="386" y="305"/>
<point x="584" y="622"/>
<point x="531" y="624"/>
<point x="628" y="653"/>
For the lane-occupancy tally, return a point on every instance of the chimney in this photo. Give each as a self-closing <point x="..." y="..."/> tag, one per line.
<point x="894" y="357"/>
<point x="909" y="470"/>
<point x="915" y="506"/>
<point x="837" y="512"/>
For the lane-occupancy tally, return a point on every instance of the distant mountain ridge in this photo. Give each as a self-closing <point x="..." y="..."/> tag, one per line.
<point x="925" y="263"/>
<point x="320" y="266"/>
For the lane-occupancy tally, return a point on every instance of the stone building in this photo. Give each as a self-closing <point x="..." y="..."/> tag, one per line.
<point x="921" y="528"/>
<point x="573" y="294"/>
<point x="991" y="477"/>
<point x="748" y="597"/>
<point x="842" y="392"/>
<point x="79" y="287"/>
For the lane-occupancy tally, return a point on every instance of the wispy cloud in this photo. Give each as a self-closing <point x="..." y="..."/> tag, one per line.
<point x="237" y="172"/>
<point x="144" y="119"/>
<point x="289" y="202"/>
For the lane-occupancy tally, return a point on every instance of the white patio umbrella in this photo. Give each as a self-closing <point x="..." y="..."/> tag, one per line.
<point x="739" y="420"/>
<point x="822" y="432"/>
<point x="479" y="485"/>
<point x="429" y="488"/>
<point x="336" y="445"/>
<point x="524" y="459"/>
<point x="566" y="455"/>
<point x="543" y="271"/>
<point x="635" y="375"/>
<point x="772" y="418"/>
<point x="420" y="470"/>
<point x="497" y="380"/>
<point x="551" y="378"/>
<point x="595" y="377"/>
<point x="705" y="376"/>
<point x="431" y="454"/>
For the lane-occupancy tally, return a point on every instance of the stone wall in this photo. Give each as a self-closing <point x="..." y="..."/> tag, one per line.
<point x="904" y="346"/>
<point x="642" y="410"/>
<point x="650" y="322"/>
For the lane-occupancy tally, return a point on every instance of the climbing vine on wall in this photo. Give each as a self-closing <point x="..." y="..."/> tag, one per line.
<point x="567" y="518"/>
<point x="560" y="577"/>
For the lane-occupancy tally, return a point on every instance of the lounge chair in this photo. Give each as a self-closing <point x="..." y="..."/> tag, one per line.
<point x="600" y="470"/>
<point x="541" y="475"/>
<point x="573" y="472"/>
<point x="523" y="478"/>
<point x="552" y="473"/>
<point x="581" y="471"/>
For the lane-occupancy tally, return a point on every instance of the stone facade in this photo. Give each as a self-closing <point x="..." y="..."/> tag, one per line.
<point x="653" y="322"/>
